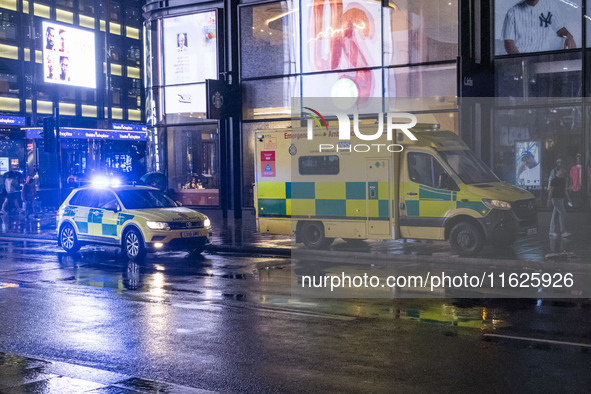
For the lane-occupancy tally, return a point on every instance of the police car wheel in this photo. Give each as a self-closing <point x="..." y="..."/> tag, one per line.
<point x="466" y="239"/>
<point x="312" y="235"/>
<point x="133" y="245"/>
<point x="68" y="239"/>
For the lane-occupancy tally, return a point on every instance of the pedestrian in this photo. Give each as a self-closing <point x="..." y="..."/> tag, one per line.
<point x="29" y="194"/>
<point x="558" y="192"/>
<point x="557" y="165"/>
<point x="11" y="188"/>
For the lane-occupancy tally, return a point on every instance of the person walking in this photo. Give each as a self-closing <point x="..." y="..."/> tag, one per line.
<point x="11" y="187"/>
<point x="558" y="192"/>
<point x="28" y="195"/>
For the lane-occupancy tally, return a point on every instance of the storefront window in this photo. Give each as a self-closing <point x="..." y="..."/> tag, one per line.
<point x="269" y="36"/>
<point x="531" y="142"/>
<point x="546" y="26"/>
<point x="422" y="81"/>
<point x="269" y="98"/>
<point x="360" y="85"/>
<point x="9" y="84"/>
<point x="86" y="7"/>
<point x="193" y="164"/>
<point x="420" y="31"/>
<point x="8" y="23"/>
<point x="340" y="34"/>
<point x="553" y="75"/>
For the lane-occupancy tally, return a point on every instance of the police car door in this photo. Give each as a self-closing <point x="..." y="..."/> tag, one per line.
<point x="426" y="196"/>
<point x="105" y="215"/>
<point x="83" y="203"/>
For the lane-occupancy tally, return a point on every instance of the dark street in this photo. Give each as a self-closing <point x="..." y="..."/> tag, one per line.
<point x="228" y="323"/>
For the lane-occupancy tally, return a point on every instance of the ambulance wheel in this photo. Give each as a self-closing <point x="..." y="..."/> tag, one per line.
<point x="133" y="244"/>
<point x="466" y="239"/>
<point x="68" y="239"/>
<point x="312" y="235"/>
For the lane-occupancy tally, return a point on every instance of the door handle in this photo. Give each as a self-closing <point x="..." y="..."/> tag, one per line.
<point x="411" y="194"/>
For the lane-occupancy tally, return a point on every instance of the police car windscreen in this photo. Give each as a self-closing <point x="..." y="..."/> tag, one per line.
<point x="144" y="199"/>
<point x="468" y="167"/>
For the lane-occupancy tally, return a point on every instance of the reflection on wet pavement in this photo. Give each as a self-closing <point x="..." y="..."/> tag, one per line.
<point x="27" y="375"/>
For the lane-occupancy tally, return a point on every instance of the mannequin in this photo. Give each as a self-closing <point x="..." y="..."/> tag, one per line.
<point x="575" y="181"/>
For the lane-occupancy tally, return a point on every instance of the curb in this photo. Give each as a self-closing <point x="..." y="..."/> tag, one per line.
<point x="353" y="257"/>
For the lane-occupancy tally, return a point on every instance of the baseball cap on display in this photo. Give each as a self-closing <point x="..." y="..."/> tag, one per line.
<point x="526" y="153"/>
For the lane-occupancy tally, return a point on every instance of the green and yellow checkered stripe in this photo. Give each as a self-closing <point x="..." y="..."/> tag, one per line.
<point x="94" y="225"/>
<point x="324" y="199"/>
<point x="435" y="202"/>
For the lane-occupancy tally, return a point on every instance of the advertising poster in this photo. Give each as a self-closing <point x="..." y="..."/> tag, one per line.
<point x="68" y="55"/>
<point x="3" y="165"/>
<point x="547" y="25"/>
<point x="185" y="99"/>
<point x="190" y="48"/>
<point x="527" y="164"/>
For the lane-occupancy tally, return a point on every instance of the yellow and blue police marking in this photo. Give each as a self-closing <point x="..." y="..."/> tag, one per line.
<point x="94" y="224"/>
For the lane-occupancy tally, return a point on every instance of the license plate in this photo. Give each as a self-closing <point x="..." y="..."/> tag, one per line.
<point x="189" y="234"/>
<point x="532" y="231"/>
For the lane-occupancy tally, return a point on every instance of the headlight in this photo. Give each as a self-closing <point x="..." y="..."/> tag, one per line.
<point x="157" y="225"/>
<point x="496" y="204"/>
<point x="206" y="223"/>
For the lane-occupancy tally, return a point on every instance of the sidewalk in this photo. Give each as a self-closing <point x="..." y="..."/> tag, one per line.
<point x="28" y="375"/>
<point x="240" y="236"/>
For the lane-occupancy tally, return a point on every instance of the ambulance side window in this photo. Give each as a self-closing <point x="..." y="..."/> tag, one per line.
<point x="318" y="165"/>
<point x="426" y="170"/>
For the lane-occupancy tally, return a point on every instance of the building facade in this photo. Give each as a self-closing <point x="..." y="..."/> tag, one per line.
<point x="83" y="57"/>
<point x="455" y="55"/>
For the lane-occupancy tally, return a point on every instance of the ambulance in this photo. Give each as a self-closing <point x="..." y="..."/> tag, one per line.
<point x="432" y="188"/>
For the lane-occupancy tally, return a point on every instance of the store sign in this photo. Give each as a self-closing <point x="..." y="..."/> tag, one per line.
<point x="128" y="127"/>
<point x="91" y="134"/>
<point x="68" y="55"/>
<point x="219" y="99"/>
<point x="12" y="120"/>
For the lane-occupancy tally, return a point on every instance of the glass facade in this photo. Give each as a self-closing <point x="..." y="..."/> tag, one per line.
<point x="343" y="48"/>
<point x="541" y="75"/>
<point x="181" y="52"/>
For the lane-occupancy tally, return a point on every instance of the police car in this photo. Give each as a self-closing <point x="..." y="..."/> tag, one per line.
<point x="137" y="218"/>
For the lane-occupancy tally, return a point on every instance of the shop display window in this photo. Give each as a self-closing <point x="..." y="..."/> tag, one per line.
<point x="193" y="164"/>
<point x="420" y="31"/>
<point x="269" y="35"/>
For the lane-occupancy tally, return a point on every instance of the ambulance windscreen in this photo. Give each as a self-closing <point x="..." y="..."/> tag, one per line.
<point x="468" y="167"/>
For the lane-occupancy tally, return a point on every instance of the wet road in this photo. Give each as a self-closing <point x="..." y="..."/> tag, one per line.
<point x="229" y="323"/>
